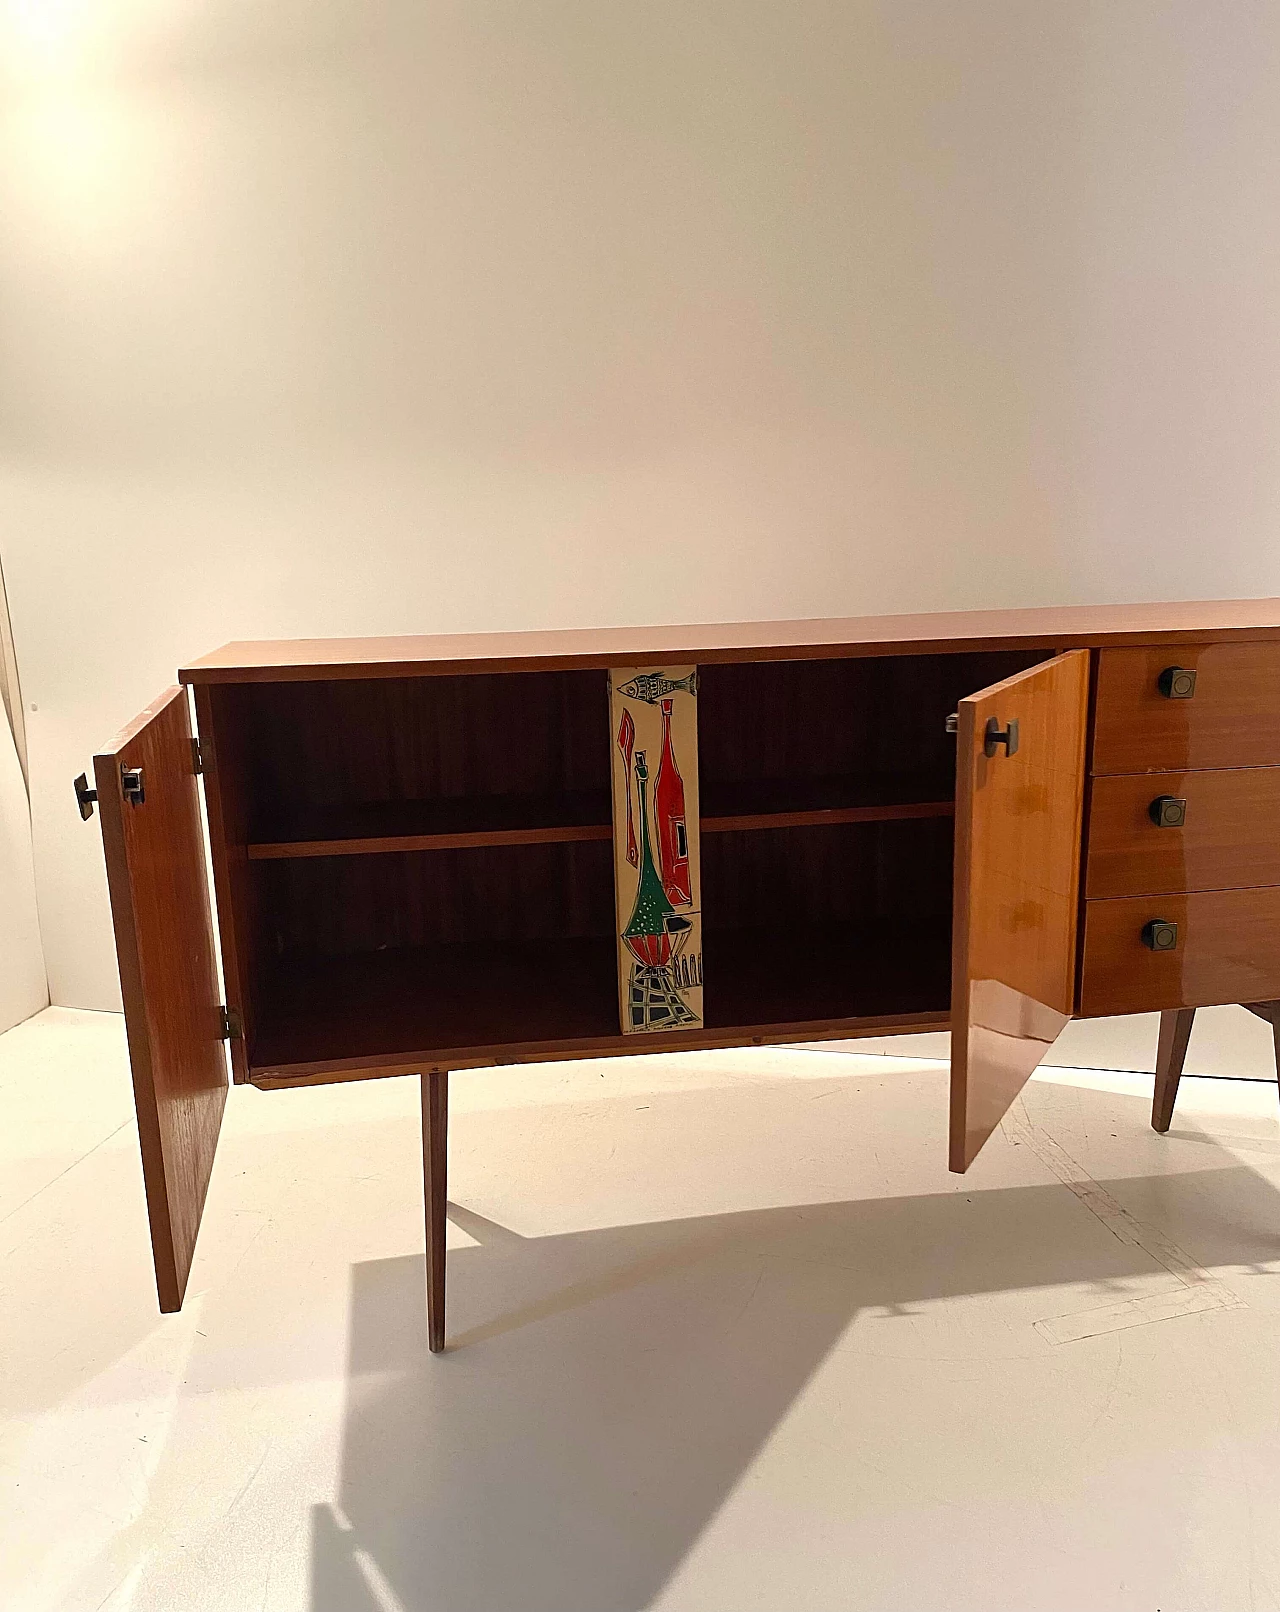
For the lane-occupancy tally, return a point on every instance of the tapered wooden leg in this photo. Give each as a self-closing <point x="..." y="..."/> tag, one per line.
<point x="1175" y="1033"/>
<point x="435" y="1133"/>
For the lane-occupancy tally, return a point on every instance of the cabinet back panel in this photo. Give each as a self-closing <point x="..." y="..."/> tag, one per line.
<point x="865" y="875"/>
<point x="328" y="744"/>
<point x="803" y="923"/>
<point x="334" y="906"/>
<point x="831" y="718"/>
<point x="807" y="924"/>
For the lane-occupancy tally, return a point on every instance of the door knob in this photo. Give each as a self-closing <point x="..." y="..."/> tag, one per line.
<point x="995" y="736"/>
<point x="1168" y="811"/>
<point x="1177" y="683"/>
<point x="85" y="797"/>
<point x="1160" y="935"/>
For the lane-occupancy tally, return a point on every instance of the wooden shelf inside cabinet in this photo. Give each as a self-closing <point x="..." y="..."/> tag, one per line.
<point x="512" y="998"/>
<point x="372" y="828"/>
<point x="812" y="802"/>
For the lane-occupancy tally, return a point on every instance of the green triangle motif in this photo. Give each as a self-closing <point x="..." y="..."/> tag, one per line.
<point x="652" y="909"/>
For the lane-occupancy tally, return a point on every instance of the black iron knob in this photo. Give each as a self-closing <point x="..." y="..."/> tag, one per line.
<point x="1176" y="683"/>
<point x="1168" y="811"/>
<point x="995" y="736"/>
<point x="1160" y="935"/>
<point x="85" y="797"/>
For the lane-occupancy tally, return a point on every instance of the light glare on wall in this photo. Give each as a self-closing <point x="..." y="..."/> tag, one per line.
<point x="44" y="33"/>
<point x="44" y="39"/>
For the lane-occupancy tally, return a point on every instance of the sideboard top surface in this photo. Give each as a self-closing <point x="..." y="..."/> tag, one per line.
<point x="1053" y="627"/>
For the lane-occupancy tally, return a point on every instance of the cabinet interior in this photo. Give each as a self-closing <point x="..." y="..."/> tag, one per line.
<point x="425" y="864"/>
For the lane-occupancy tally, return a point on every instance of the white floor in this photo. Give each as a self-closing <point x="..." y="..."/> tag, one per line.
<point x="726" y="1336"/>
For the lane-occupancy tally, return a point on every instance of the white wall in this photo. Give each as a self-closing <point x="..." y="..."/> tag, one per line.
<point x="391" y="315"/>
<point x="23" y="990"/>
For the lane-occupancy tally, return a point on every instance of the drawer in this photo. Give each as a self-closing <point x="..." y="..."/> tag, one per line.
<point x="1232" y="718"/>
<point x="1228" y="950"/>
<point x="1229" y="836"/>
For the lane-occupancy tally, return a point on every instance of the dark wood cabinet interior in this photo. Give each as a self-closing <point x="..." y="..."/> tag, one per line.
<point x="426" y="862"/>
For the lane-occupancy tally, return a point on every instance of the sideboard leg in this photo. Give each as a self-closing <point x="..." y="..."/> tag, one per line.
<point x="435" y="1133"/>
<point x="1175" y="1032"/>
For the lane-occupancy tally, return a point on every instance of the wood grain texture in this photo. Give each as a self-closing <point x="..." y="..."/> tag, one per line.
<point x="164" y="942"/>
<point x="412" y="1009"/>
<point x="1171" y="1055"/>
<point x="1228" y="951"/>
<point x="435" y="1167"/>
<point x="380" y="828"/>
<point x="335" y="906"/>
<point x="1230" y="837"/>
<point x="1050" y="629"/>
<point x="843" y="732"/>
<point x="1175" y="1035"/>
<point x="829" y="817"/>
<point x="328" y="1071"/>
<point x="422" y="756"/>
<point x="1232" y="720"/>
<point x="1017" y="869"/>
<point x="387" y="844"/>
<point x="227" y="809"/>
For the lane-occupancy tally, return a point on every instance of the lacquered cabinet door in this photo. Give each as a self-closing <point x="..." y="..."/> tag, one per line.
<point x="154" y="845"/>
<point x="1019" y="804"/>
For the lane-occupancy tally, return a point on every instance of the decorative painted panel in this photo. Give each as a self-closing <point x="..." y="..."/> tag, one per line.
<point x="653" y="716"/>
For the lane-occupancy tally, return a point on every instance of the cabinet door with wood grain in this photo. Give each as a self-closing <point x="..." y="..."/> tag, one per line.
<point x="1019" y="802"/>
<point x="151" y="831"/>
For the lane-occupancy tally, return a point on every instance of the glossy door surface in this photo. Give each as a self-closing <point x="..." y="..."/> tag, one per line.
<point x="1224" y="835"/>
<point x="1017" y="875"/>
<point x="1227" y="950"/>
<point x="1232" y="718"/>
<point x="164" y="940"/>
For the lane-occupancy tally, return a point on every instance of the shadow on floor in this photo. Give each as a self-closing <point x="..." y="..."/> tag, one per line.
<point x="604" y="1391"/>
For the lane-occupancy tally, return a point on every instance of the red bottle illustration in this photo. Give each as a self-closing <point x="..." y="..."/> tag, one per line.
<point x="669" y="820"/>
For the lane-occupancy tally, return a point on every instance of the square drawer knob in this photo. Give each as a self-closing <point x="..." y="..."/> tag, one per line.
<point x="1160" y="935"/>
<point x="1177" y="683"/>
<point x="1168" y="811"/>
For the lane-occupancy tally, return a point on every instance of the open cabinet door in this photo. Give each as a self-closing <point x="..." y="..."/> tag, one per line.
<point x="1019" y="803"/>
<point x="150" y="805"/>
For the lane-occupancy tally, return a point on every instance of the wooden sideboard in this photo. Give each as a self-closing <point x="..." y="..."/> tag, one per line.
<point x="991" y="822"/>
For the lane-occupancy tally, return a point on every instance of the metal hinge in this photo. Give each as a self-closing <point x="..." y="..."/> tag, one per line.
<point x="197" y="756"/>
<point x="232" y="1024"/>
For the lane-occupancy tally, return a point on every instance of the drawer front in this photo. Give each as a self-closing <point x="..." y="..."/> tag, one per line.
<point x="1232" y="718"/>
<point x="1228" y="950"/>
<point x="1225" y="836"/>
